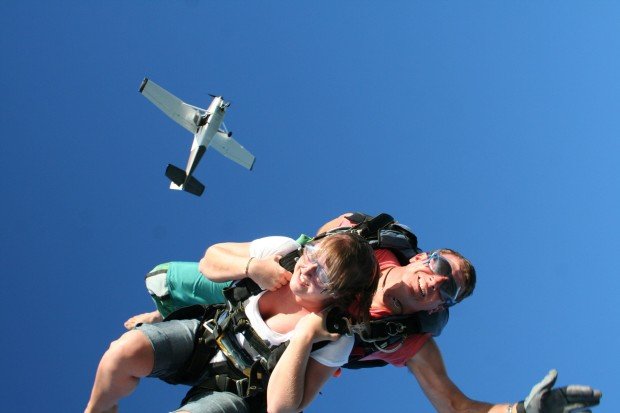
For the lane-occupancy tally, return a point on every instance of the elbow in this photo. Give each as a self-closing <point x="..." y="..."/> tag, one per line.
<point x="281" y="409"/>
<point x="204" y="266"/>
<point x="280" y="403"/>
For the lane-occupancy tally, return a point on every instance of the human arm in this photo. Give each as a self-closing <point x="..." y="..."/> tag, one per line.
<point x="258" y="260"/>
<point x="225" y="261"/>
<point x="428" y="367"/>
<point x="297" y="378"/>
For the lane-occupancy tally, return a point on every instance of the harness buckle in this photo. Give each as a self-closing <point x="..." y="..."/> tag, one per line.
<point x="211" y="330"/>
<point x="242" y="387"/>
<point x="393" y="328"/>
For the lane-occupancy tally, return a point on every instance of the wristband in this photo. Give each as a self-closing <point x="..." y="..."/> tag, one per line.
<point x="521" y="407"/>
<point x="247" y="267"/>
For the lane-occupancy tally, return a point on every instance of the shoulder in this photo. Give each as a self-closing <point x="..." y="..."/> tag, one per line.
<point x="335" y="353"/>
<point x="386" y="259"/>
<point x="265" y="246"/>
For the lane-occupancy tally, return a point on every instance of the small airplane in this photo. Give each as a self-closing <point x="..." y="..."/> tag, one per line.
<point x="208" y="129"/>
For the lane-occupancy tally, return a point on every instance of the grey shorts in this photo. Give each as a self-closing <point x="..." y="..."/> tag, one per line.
<point x="215" y="402"/>
<point x="173" y="342"/>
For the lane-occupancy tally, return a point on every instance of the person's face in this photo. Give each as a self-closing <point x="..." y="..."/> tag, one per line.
<point x="311" y="276"/>
<point x="418" y="286"/>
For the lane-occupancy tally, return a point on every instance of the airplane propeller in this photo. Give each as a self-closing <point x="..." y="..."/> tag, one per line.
<point x="226" y="104"/>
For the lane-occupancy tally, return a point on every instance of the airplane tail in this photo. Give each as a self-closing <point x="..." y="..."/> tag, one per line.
<point x="181" y="181"/>
<point x="176" y="175"/>
<point x="193" y="186"/>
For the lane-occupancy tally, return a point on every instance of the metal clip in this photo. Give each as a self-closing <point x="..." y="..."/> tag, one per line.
<point x="211" y="330"/>
<point x="242" y="388"/>
<point x="391" y="350"/>
<point x="394" y="328"/>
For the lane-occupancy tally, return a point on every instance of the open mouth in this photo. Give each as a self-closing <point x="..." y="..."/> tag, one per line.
<point x="422" y="290"/>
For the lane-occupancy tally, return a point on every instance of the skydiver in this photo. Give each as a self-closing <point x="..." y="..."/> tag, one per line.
<point x="339" y="268"/>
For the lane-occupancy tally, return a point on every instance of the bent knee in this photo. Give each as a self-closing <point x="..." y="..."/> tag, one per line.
<point x="132" y="351"/>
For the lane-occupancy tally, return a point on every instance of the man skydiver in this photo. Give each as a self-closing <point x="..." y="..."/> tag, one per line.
<point x="407" y="289"/>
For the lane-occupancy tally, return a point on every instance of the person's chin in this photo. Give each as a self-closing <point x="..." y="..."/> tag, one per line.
<point x="296" y="285"/>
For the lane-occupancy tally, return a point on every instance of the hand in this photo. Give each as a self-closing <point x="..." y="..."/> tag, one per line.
<point x="268" y="274"/>
<point x="313" y="325"/>
<point x="568" y="399"/>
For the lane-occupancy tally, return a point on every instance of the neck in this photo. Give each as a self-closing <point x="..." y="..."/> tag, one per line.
<point x="378" y="298"/>
<point x="311" y="306"/>
<point x="287" y="301"/>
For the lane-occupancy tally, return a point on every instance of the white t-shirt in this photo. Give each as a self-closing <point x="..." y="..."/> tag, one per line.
<point x="334" y="354"/>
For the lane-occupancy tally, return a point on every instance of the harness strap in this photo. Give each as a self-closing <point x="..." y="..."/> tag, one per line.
<point x="241" y="291"/>
<point x="381" y="330"/>
<point x="374" y="225"/>
<point x="204" y="350"/>
<point x="204" y="345"/>
<point x="242" y="325"/>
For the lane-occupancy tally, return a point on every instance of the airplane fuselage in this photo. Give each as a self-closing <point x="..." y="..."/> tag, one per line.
<point x="216" y="110"/>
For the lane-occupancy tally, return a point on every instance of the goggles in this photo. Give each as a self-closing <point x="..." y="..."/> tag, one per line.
<point x="320" y="274"/>
<point x="449" y="289"/>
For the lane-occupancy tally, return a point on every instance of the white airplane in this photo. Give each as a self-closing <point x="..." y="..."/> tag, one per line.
<point x="208" y="129"/>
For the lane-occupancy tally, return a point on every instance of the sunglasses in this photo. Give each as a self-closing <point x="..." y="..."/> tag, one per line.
<point x="320" y="274"/>
<point x="449" y="289"/>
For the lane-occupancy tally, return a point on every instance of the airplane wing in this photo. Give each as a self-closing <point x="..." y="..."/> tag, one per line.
<point x="231" y="149"/>
<point x="175" y="108"/>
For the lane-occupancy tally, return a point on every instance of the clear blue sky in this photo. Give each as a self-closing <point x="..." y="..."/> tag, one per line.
<point x="489" y="127"/>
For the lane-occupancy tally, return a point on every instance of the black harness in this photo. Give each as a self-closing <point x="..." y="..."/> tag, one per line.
<point x="241" y="373"/>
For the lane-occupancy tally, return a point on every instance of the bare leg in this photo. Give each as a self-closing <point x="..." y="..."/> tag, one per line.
<point x="147" y="318"/>
<point x="127" y="360"/>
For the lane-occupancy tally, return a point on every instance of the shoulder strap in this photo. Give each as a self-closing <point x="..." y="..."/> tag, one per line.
<point x="241" y="290"/>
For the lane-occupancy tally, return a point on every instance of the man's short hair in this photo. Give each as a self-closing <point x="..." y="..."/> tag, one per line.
<point x="469" y="274"/>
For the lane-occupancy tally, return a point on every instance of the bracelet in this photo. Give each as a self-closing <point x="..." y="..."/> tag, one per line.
<point x="247" y="267"/>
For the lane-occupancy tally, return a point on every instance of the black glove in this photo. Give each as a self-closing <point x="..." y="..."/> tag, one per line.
<point x="568" y="399"/>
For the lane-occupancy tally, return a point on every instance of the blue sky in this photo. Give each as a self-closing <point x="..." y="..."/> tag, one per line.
<point x="488" y="127"/>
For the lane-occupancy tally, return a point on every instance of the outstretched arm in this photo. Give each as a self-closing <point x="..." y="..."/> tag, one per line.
<point x="297" y="378"/>
<point x="231" y="261"/>
<point x="428" y="367"/>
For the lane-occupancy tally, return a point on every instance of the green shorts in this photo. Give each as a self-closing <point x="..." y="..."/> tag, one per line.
<point x="174" y="285"/>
